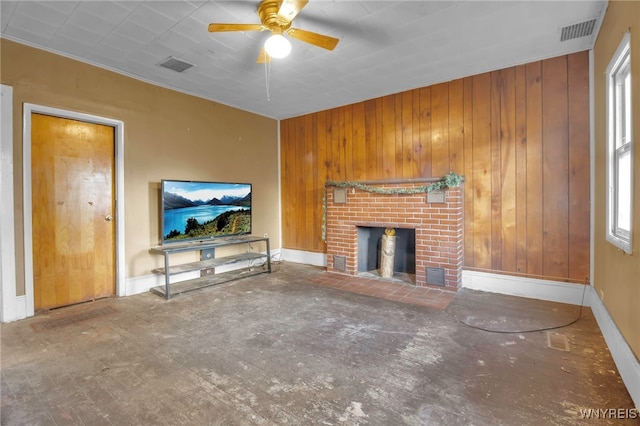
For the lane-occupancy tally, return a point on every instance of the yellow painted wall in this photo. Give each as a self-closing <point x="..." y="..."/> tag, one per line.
<point x="168" y="135"/>
<point x="616" y="274"/>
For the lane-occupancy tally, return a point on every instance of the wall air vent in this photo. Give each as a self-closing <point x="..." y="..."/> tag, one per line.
<point x="175" y="64"/>
<point x="435" y="276"/>
<point x="581" y="29"/>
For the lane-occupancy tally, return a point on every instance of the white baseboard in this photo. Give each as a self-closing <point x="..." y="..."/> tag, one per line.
<point x="143" y="283"/>
<point x="627" y="363"/>
<point x="306" y="257"/>
<point x="555" y="291"/>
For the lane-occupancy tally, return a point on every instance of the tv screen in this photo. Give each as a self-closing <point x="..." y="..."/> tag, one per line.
<point x="194" y="210"/>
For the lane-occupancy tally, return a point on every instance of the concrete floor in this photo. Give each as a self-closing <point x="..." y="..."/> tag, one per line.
<point x="278" y="349"/>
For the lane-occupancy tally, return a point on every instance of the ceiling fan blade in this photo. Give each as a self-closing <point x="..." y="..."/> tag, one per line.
<point x="289" y="9"/>
<point x="217" y="28"/>
<point x="316" y="39"/>
<point x="263" y="57"/>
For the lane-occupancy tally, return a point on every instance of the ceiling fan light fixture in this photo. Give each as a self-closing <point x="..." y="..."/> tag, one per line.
<point x="277" y="46"/>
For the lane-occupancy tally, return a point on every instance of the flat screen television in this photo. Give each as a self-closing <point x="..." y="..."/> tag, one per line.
<point x="194" y="210"/>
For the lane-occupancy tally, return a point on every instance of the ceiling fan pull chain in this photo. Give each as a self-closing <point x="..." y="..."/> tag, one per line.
<point x="267" y="74"/>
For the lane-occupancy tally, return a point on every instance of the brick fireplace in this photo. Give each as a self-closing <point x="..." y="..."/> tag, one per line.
<point x="437" y="221"/>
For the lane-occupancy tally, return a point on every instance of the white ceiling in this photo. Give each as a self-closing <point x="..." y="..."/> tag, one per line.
<point x="385" y="46"/>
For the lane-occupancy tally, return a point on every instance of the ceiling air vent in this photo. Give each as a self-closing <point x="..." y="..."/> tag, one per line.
<point x="581" y="29"/>
<point x="175" y="64"/>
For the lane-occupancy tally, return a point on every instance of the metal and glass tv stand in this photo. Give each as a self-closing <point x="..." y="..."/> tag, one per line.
<point x="253" y="263"/>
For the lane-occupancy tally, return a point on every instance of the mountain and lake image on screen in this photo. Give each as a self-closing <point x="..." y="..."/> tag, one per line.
<point x="202" y="210"/>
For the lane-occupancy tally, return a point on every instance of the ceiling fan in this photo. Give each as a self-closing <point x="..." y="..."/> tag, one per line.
<point x="276" y="16"/>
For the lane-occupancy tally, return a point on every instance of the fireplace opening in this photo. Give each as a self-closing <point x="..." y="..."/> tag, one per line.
<point x="369" y="249"/>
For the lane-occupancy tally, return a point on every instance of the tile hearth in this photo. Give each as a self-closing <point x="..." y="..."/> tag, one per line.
<point x="385" y="289"/>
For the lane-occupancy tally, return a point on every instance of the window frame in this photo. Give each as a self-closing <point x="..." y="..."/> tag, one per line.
<point x="619" y="140"/>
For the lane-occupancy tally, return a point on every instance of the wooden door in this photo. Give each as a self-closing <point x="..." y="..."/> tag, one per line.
<point x="72" y="207"/>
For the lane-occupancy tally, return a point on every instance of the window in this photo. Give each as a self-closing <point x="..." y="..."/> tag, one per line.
<point x="620" y="148"/>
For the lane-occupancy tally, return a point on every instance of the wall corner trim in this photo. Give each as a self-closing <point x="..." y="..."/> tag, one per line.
<point x="627" y="363"/>
<point x="9" y="309"/>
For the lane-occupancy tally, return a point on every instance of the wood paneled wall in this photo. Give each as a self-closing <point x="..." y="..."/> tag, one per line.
<point x="520" y="137"/>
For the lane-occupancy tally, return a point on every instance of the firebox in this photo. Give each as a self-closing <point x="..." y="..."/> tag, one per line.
<point x="369" y="247"/>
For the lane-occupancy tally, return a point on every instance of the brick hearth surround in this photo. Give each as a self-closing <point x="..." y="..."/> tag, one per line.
<point x="438" y="227"/>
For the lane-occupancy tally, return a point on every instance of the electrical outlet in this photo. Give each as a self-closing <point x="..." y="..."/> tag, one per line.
<point x="207" y="271"/>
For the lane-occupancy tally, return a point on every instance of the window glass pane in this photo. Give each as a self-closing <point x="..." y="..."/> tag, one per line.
<point x="618" y="113"/>
<point x="623" y="220"/>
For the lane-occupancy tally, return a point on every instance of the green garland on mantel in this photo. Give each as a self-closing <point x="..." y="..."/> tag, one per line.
<point x="450" y="180"/>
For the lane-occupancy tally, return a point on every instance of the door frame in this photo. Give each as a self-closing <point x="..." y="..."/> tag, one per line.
<point x="8" y="302"/>
<point x="118" y="126"/>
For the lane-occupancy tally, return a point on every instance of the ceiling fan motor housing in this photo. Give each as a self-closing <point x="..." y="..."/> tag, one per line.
<point x="268" y="12"/>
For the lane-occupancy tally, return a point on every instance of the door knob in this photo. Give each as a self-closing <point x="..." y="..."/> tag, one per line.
<point x="108" y="218"/>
